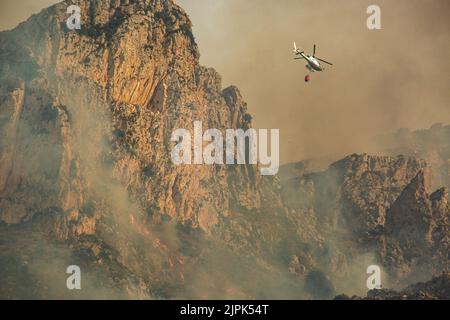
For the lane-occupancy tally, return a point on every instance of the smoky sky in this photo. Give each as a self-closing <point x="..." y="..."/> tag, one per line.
<point x="382" y="80"/>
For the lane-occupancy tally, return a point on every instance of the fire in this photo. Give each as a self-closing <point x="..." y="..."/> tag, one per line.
<point x="180" y="260"/>
<point x="141" y="229"/>
<point x="157" y="243"/>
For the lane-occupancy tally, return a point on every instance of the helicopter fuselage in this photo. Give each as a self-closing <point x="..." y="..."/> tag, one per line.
<point x="313" y="64"/>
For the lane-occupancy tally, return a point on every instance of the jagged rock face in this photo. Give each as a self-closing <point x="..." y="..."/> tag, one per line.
<point x="417" y="231"/>
<point x="377" y="206"/>
<point x="86" y="119"/>
<point x="116" y="90"/>
<point x="355" y="192"/>
<point x="432" y="144"/>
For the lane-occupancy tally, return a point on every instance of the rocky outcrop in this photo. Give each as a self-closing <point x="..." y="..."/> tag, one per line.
<point x="86" y="121"/>
<point x="417" y="231"/>
<point x="136" y="64"/>
<point x="438" y="288"/>
<point x="355" y="192"/>
<point x="368" y="185"/>
<point x="374" y="210"/>
<point x="431" y="144"/>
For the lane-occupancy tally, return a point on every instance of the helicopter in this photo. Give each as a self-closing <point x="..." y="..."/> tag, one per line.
<point x="313" y="61"/>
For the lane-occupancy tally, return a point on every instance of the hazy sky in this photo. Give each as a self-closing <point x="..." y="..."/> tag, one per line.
<point x="381" y="80"/>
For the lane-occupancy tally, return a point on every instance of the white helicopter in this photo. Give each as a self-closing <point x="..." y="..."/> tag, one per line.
<point x="313" y="62"/>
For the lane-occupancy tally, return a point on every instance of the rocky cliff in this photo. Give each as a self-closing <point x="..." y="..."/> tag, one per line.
<point x="374" y="210"/>
<point x="86" y="122"/>
<point x="114" y="91"/>
<point x="86" y="177"/>
<point x="431" y="144"/>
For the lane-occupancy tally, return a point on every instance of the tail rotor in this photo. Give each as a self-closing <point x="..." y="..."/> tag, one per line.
<point x="297" y="51"/>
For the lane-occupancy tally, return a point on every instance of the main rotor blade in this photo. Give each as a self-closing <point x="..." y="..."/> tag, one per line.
<point x="314" y="51"/>
<point x="324" y="61"/>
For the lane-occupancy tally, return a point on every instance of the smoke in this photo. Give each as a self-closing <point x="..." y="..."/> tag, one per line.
<point x="13" y="12"/>
<point x="381" y="80"/>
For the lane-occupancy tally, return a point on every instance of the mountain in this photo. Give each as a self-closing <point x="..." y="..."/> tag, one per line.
<point x="374" y="210"/>
<point x="431" y="144"/>
<point x="86" y="177"/>
<point x="86" y="122"/>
